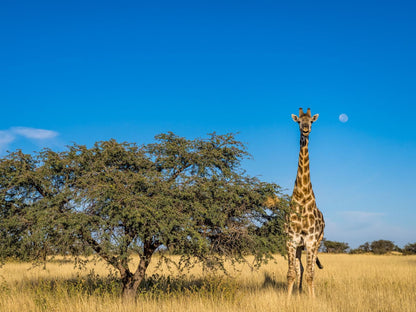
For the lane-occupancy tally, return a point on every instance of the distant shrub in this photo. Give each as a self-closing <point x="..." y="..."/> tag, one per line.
<point x="364" y="248"/>
<point x="409" y="249"/>
<point x="381" y="246"/>
<point x="335" y="247"/>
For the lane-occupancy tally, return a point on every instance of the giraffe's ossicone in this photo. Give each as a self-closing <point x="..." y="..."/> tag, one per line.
<point x="305" y="223"/>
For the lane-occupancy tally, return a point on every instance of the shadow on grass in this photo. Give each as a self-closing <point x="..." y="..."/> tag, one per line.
<point x="85" y="285"/>
<point x="154" y="287"/>
<point x="270" y="282"/>
<point x="209" y="286"/>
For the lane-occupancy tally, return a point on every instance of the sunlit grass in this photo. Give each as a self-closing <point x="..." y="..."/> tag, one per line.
<point x="347" y="283"/>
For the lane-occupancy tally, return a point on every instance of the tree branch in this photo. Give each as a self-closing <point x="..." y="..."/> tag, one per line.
<point x="178" y="172"/>
<point x="107" y="257"/>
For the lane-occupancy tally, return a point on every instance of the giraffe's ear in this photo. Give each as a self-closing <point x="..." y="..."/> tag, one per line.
<point x="295" y="118"/>
<point x="315" y="117"/>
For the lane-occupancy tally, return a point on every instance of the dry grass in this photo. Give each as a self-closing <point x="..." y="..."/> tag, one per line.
<point x="347" y="283"/>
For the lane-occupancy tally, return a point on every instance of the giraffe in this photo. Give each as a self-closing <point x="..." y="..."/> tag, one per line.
<point x="305" y="223"/>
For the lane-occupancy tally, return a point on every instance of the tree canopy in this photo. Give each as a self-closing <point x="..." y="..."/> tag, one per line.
<point x="378" y="247"/>
<point x="410" y="249"/>
<point x="189" y="197"/>
<point x="334" y="247"/>
<point x="383" y="246"/>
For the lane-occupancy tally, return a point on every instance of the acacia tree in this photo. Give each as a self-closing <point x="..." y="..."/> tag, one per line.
<point x="382" y="246"/>
<point x="119" y="199"/>
<point x="335" y="247"/>
<point x="364" y="248"/>
<point x="409" y="249"/>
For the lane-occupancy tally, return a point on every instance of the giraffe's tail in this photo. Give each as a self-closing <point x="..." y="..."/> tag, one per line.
<point x="318" y="263"/>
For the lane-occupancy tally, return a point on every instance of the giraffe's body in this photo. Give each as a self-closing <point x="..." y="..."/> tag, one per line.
<point x="305" y="223"/>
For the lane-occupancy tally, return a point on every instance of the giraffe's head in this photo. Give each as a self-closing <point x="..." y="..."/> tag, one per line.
<point x="305" y="121"/>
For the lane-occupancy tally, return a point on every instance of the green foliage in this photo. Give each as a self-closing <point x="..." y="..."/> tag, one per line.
<point x="409" y="249"/>
<point x="382" y="246"/>
<point x="364" y="248"/>
<point x="335" y="247"/>
<point x="378" y="247"/>
<point x="190" y="197"/>
<point x="34" y="201"/>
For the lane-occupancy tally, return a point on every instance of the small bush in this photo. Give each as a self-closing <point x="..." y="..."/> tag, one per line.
<point x="410" y="249"/>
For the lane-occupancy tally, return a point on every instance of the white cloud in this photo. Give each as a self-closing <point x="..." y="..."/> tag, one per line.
<point x="8" y="136"/>
<point x="5" y="139"/>
<point x="32" y="133"/>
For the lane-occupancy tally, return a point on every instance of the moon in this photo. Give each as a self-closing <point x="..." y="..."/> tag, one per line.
<point x="343" y="118"/>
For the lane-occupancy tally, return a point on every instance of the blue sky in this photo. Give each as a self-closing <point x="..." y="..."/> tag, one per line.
<point x="84" y="71"/>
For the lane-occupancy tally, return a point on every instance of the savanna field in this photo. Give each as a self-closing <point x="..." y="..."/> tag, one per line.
<point x="347" y="283"/>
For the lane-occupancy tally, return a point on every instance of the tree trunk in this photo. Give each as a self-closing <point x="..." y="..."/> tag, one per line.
<point x="131" y="282"/>
<point x="130" y="287"/>
<point x="44" y="256"/>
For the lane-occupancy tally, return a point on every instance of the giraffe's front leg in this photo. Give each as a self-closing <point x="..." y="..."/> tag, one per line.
<point x="291" y="273"/>
<point x="311" y="253"/>
<point x="299" y="267"/>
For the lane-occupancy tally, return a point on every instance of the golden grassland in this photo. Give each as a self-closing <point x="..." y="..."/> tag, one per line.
<point x="347" y="283"/>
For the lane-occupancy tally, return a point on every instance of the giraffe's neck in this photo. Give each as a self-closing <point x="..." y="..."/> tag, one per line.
<point x="303" y="186"/>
